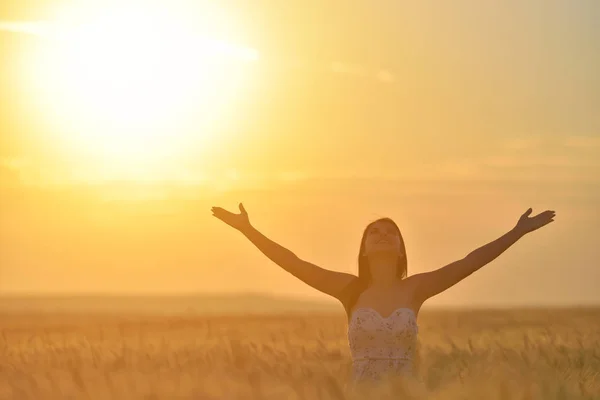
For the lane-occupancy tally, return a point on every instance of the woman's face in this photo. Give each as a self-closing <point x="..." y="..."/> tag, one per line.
<point x="382" y="237"/>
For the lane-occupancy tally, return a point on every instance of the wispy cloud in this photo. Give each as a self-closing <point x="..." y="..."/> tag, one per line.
<point x="292" y="176"/>
<point x="49" y="30"/>
<point x="385" y="76"/>
<point x="11" y="170"/>
<point x="359" y="71"/>
<point x="347" y="69"/>
<point x="582" y="142"/>
<point x="54" y="31"/>
<point x="546" y="143"/>
<point x="14" y="163"/>
<point x="30" y="27"/>
<point x="524" y="143"/>
<point x="515" y="161"/>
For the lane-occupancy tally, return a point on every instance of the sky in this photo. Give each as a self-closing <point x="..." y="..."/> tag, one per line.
<point x="451" y="118"/>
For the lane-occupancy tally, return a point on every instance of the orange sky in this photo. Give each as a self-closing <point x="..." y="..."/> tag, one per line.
<point x="452" y="119"/>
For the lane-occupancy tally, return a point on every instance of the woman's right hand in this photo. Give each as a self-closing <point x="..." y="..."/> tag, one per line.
<point x="238" y="221"/>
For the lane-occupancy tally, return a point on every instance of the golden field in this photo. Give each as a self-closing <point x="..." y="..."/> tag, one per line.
<point x="494" y="354"/>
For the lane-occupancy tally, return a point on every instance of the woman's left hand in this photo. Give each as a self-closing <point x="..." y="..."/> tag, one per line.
<point x="528" y="224"/>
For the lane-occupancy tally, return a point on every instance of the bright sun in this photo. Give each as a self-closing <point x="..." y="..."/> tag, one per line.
<point x="130" y="86"/>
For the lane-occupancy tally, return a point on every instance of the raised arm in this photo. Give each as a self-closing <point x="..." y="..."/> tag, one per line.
<point x="429" y="284"/>
<point x="326" y="281"/>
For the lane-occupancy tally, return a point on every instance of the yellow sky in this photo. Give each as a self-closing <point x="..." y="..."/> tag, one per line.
<point x="451" y="119"/>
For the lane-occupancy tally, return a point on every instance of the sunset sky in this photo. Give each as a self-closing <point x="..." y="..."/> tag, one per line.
<point x="121" y="126"/>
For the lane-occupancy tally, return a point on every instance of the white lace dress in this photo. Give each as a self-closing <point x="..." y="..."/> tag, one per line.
<point x="382" y="346"/>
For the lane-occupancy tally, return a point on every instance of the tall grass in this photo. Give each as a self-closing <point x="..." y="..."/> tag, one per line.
<point x="525" y="354"/>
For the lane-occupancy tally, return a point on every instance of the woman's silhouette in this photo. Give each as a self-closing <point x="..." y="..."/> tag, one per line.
<point x="382" y="302"/>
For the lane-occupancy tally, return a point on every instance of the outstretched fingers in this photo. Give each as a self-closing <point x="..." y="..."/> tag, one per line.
<point x="546" y="217"/>
<point x="547" y="214"/>
<point x="219" y="212"/>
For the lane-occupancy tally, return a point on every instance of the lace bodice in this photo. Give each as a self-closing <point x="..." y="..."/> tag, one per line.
<point x="382" y="345"/>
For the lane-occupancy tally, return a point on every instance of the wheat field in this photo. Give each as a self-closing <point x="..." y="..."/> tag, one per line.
<point x="495" y="354"/>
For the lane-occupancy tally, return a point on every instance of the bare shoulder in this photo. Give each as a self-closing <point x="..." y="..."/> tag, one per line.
<point x="413" y="281"/>
<point x="345" y="278"/>
<point x="324" y="280"/>
<point x="413" y="284"/>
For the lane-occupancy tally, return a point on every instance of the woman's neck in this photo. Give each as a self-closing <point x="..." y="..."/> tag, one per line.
<point x="383" y="270"/>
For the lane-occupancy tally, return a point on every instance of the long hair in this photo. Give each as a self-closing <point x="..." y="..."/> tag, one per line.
<point x="355" y="288"/>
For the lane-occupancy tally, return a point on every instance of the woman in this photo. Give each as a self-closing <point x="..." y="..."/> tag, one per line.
<point x="382" y="302"/>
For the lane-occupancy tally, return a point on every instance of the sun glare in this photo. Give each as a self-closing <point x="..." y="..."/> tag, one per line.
<point x="132" y="86"/>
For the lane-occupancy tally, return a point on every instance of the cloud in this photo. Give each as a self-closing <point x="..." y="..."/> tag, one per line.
<point x="582" y="142"/>
<point x="11" y="170"/>
<point x="48" y="30"/>
<point x="385" y="76"/>
<point x="551" y="142"/>
<point x="347" y="69"/>
<point x="381" y="75"/>
<point x="516" y="161"/>
<point x="292" y="176"/>
<point x="14" y="163"/>
<point x="9" y="176"/>
<point x="524" y="143"/>
<point x="29" y="27"/>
